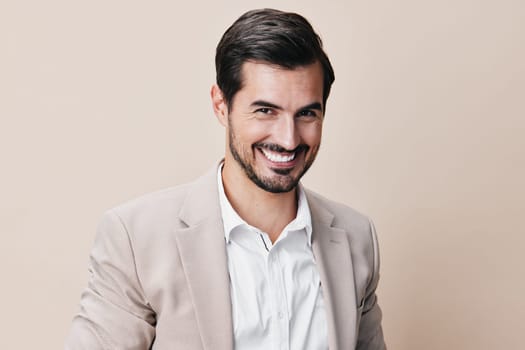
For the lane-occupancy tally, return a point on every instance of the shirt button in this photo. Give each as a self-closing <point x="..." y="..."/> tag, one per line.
<point x="280" y="315"/>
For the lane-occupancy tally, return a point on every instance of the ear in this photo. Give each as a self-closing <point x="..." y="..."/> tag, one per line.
<point x="220" y="108"/>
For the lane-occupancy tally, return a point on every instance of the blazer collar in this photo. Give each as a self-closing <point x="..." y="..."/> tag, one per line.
<point x="331" y="250"/>
<point x="202" y="200"/>
<point x="203" y="254"/>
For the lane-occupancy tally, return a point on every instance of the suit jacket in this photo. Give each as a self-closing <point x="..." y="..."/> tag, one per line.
<point x="159" y="276"/>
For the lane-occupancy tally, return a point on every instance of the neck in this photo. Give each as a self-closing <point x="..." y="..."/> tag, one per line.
<point x="269" y="212"/>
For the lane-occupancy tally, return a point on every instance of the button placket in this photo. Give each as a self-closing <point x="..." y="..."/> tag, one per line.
<point x="280" y="301"/>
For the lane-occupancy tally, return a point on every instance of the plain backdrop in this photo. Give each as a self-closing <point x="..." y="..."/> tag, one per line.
<point x="101" y="101"/>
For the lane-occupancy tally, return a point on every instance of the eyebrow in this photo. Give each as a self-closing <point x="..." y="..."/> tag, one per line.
<point x="261" y="103"/>
<point x="315" y="105"/>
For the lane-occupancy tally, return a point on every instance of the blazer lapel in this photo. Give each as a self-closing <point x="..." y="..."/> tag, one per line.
<point x="203" y="254"/>
<point x="331" y="249"/>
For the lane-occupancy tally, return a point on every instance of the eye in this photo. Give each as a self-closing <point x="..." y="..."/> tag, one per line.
<point x="263" y="110"/>
<point x="265" y="113"/>
<point x="307" y="113"/>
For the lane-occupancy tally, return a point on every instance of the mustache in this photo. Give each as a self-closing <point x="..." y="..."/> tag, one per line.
<point x="277" y="148"/>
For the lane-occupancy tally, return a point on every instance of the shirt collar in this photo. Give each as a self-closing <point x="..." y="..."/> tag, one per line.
<point x="231" y="219"/>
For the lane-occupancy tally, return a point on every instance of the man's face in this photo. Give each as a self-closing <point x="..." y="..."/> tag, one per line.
<point x="275" y="123"/>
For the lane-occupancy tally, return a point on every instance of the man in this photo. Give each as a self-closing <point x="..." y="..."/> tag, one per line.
<point x="244" y="257"/>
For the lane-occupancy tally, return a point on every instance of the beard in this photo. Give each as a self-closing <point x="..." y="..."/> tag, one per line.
<point x="283" y="181"/>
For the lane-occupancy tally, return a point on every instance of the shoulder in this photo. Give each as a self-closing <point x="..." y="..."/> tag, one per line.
<point x="156" y="212"/>
<point x="357" y="226"/>
<point x="165" y="202"/>
<point x="344" y="216"/>
<point x="135" y="222"/>
<point x="164" y="207"/>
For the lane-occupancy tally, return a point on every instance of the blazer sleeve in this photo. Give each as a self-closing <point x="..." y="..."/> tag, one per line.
<point x="370" y="335"/>
<point x="114" y="313"/>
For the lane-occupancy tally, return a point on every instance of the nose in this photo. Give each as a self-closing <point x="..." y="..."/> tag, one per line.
<point x="286" y="133"/>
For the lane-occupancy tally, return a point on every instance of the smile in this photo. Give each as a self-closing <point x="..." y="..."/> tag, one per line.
<point x="278" y="157"/>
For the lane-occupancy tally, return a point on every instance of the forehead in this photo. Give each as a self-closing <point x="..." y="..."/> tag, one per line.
<point x="272" y="83"/>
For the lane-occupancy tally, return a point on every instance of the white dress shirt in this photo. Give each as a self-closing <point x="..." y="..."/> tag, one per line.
<point x="277" y="300"/>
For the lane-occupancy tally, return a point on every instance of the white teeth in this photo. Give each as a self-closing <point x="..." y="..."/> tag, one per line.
<point x="277" y="157"/>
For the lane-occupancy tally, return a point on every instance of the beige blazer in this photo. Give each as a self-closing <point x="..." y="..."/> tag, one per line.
<point x="159" y="277"/>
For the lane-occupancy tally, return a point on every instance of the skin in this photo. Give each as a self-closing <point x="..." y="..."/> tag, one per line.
<point x="273" y="132"/>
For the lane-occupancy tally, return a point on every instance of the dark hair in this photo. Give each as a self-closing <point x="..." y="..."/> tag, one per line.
<point x="281" y="38"/>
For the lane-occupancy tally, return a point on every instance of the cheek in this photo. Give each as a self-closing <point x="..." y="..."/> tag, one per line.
<point x="311" y="133"/>
<point x="250" y="133"/>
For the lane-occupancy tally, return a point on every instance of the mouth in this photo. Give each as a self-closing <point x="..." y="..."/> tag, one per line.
<point x="280" y="158"/>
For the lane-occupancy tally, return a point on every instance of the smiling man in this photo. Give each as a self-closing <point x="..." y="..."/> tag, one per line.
<point x="243" y="257"/>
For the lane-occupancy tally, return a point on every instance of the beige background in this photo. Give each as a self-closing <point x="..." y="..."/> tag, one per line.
<point x="101" y="101"/>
